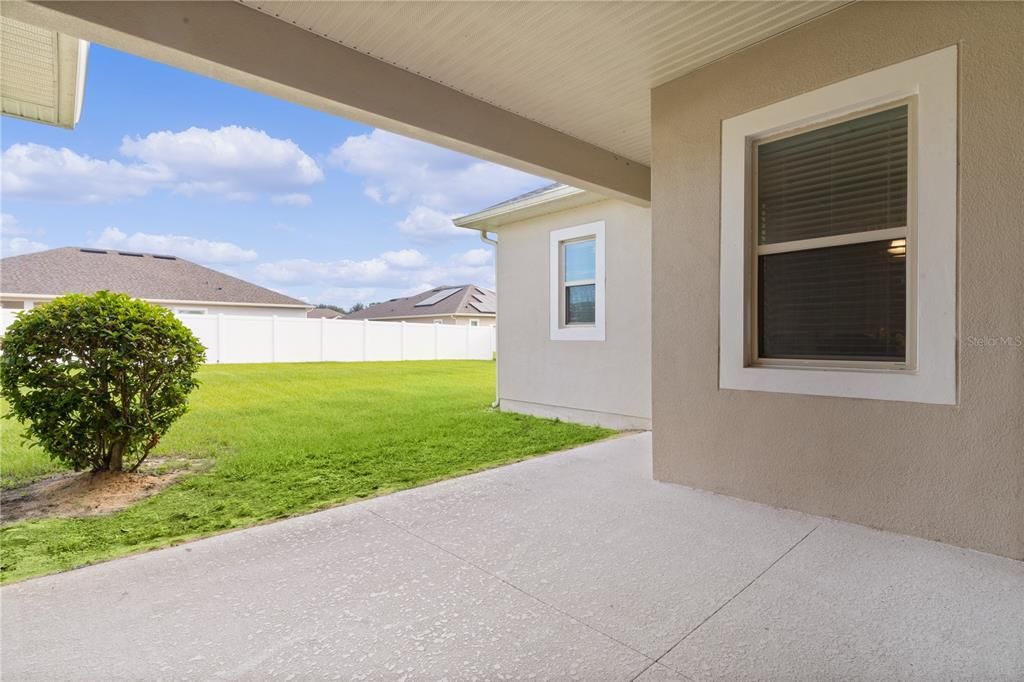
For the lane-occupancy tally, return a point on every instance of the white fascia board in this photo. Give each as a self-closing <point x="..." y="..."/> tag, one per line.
<point x="559" y="199"/>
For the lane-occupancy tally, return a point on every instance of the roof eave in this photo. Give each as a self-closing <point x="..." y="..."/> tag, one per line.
<point x="70" y="61"/>
<point x="558" y="199"/>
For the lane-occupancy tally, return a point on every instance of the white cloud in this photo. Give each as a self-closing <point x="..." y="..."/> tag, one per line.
<point x="15" y="238"/>
<point x="434" y="183"/>
<point x="406" y="258"/>
<point x="239" y="164"/>
<point x="232" y="161"/>
<point x="426" y="224"/>
<point x="10" y="227"/>
<point x="294" y="199"/>
<point x="17" y="246"/>
<point x="35" y="171"/>
<point x="476" y="257"/>
<point x="391" y="273"/>
<point x="202" y="250"/>
<point x="347" y="297"/>
<point x="386" y="269"/>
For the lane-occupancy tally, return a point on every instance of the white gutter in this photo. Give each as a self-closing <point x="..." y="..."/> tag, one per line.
<point x="556" y="199"/>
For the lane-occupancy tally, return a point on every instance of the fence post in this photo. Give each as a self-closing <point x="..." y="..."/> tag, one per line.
<point x="220" y="338"/>
<point x="365" y="325"/>
<point x="466" y="354"/>
<point x="273" y="340"/>
<point x="323" y="333"/>
<point x="401" y="350"/>
<point x="436" y="325"/>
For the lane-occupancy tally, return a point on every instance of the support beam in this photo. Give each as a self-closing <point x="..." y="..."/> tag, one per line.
<point x="240" y="45"/>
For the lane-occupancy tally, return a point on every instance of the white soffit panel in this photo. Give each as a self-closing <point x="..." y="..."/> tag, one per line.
<point x="585" y="69"/>
<point x="42" y="74"/>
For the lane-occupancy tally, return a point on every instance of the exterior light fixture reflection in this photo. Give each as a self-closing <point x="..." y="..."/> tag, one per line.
<point x="898" y="248"/>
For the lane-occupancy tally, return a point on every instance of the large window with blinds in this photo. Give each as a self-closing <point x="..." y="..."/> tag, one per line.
<point x="838" y="239"/>
<point x="832" y="238"/>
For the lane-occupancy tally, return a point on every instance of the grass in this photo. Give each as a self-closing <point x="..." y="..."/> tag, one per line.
<point x="288" y="439"/>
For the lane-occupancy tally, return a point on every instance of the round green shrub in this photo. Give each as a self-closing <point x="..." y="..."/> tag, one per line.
<point x="98" y="379"/>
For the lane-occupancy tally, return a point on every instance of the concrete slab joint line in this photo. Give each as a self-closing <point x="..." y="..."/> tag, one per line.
<point x="728" y="601"/>
<point x="514" y="587"/>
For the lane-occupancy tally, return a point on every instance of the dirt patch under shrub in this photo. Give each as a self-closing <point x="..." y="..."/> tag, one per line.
<point x="84" y="493"/>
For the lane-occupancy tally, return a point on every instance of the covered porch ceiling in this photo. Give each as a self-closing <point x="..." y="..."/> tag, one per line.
<point x="561" y="89"/>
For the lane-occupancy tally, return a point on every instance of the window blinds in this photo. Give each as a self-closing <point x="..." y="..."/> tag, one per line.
<point x="847" y="299"/>
<point x="844" y="178"/>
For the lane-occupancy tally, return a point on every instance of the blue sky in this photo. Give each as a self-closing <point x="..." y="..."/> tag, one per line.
<point x="306" y="203"/>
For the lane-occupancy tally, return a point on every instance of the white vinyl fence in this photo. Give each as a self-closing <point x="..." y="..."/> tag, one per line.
<point x="247" y="339"/>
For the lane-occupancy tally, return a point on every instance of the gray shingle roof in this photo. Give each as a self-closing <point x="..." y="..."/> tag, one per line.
<point x="326" y="313"/>
<point x="468" y="300"/>
<point x="78" y="270"/>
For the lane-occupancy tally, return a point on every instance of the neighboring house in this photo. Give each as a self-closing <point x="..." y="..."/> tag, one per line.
<point x="461" y="304"/>
<point x="324" y="314"/>
<point x="836" y="255"/>
<point x="575" y="337"/>
<point x="183" y="286"/>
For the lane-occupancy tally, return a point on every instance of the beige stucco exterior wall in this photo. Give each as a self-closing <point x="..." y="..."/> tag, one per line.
<point x="951" y="473"/>
<point x="605" y="382"/>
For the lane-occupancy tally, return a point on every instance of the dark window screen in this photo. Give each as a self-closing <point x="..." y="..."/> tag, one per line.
<point x="844" y="178"/>
<point x="837" y="303"/>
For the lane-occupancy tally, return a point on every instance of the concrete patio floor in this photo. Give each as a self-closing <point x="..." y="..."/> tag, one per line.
<point x="570" y="566"/>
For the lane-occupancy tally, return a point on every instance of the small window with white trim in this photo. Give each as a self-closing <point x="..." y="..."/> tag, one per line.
<point x="838" y="238"/>
<point x="190" y="311"/>
<point x="577" y="283"/>
<point x="474" y="323"/>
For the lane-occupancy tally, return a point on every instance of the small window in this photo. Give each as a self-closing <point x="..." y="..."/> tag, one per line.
<point x="474" y="323"/>
<point x="577" y="283"/>
<point x="191" y="311"/>
<point x="579" y="268"/>
<point x="831" y="234"/>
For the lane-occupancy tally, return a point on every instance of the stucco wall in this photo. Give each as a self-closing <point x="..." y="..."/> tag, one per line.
<point x="594" y="379"/>
<point x="952" y="473"/>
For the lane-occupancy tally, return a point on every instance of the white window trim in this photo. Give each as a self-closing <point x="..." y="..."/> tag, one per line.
<point x="560" y="331"/>
<point x="932" y="79"/>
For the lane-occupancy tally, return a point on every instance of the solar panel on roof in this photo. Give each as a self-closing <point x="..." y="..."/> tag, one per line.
<point x="438" y="297"/>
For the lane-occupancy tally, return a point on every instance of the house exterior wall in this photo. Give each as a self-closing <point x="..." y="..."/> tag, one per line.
<point x="252" y="311"/>
<point x="23" y="302"/>
<point x="950" y="473"/>
<point x="460" y="320"/>
<point x="603" y="382"/>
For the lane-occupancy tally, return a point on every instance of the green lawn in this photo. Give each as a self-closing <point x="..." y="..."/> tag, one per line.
<point x="287" y="439"/>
